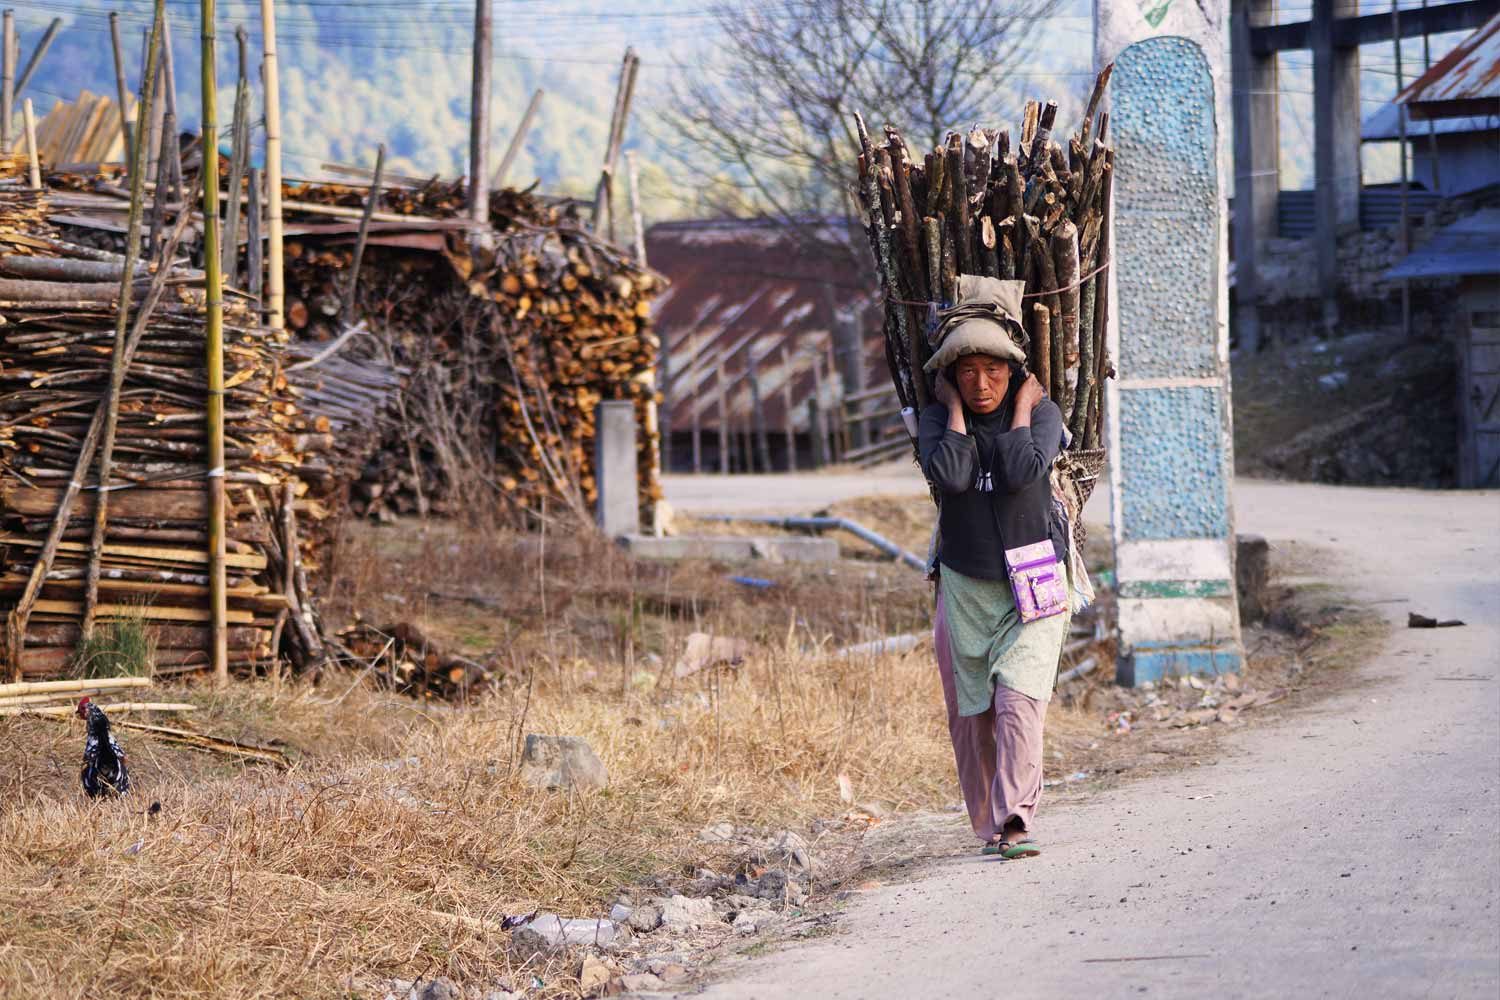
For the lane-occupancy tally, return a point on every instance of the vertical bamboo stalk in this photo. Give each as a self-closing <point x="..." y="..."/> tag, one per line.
<point x="275" y="276"/>
<point x="7" y="76"/>
<point x="479" y="116"/>
<point x="517" y="141"/>
<point x="111" y="403"/>
<point x="364" y="234"/>
<point x="254" y="265"/>
<point x="163" y="193"/>
<point x="238" y="157"/>
<point x="169" y="68"/>
<point x="153" y="127"/>
<point x="31" y="154"/>
<point x="214" y="360"/>
<point x="120" y="88"/>
<point x="637" y="225"/>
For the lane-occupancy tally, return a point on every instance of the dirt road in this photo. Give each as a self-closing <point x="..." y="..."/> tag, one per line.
<point x="1350" y="851"/>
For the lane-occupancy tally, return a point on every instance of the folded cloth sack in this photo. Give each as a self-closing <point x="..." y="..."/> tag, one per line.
<point x="986" y="320"/>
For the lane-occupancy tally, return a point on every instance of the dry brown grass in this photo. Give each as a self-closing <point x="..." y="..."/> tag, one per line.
<point x="402" y="835"/>
<point x="255" y="883"/>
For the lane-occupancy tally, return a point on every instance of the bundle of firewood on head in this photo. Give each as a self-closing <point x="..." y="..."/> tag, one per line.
<point x="148" y="559"/>
<point x="1037" y="214"/>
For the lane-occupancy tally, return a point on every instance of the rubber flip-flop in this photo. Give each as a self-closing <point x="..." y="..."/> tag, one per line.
<point x="1012" y="851"/>
<point x="1021" y="849"/>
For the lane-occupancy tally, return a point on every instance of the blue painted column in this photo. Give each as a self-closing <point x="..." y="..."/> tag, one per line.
<point x="1169" y="412"/>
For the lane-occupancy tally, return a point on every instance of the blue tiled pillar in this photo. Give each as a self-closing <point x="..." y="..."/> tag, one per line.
<point x="1169" y="411"/>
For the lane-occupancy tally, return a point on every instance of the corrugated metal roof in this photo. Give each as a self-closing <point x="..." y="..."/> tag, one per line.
<point x="746" y="292"/>
<point x="1384" y="124"/>
<point x="1470" y="246"/>
<point x="1464" y="82"/>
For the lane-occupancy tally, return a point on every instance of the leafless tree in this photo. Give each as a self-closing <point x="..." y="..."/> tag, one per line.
<point x="774" y="112"/>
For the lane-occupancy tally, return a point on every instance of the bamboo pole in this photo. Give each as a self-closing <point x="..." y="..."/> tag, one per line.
<point x="120" y="87"/>
<point x="15" y="700"/>
<point x="64" y="687"/>
<point x="364" y="233"/>
<point x="479" y="116"/>
<point x="125" y="708"/>
<point x="516" y="141"/>
<point x="239" y="154"/>
<point x="32" y="162"/>
<point x="214" y="360"/>
<point x="275" y="275"/>
<point x="637" y="224"/>
<point x="7" y="76"/>
<point x="154" y="127"/>
<point x="604" y="193"/>
<point x="111" y="402"/>
<point x="36" y="56"/>
<point x="254" y="264"/>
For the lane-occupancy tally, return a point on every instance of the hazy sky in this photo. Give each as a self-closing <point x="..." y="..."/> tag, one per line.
<point x="359" y="72"/>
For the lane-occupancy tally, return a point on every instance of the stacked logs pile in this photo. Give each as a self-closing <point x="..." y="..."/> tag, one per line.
<point x="60" y="302"/>
<point x="402" y="658"/>
<point x="506" y="353"/>
<point x="1039" y="213"/>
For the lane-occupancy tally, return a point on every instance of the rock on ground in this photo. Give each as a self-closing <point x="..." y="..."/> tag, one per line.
<point x="680" y="913"/>
<point x="561" y="762"/>
<point x="645" y="918"/>
<point x="547" y="932"/>
<point x="594" y="975"/>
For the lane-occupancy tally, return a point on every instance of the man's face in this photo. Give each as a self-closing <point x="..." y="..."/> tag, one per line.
<point x="982" y="380"/>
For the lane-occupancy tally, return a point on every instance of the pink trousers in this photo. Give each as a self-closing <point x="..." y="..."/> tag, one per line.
<point x="998" y="752"/>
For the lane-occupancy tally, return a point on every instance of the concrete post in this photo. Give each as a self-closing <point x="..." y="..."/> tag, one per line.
<point x="1336" y="145"/>
<point x="619" y="511"/>
<point x="1169" y="413"/>
<point x="1257" y="149"/>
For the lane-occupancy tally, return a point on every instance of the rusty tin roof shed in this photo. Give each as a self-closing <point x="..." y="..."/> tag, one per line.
<point x="748" y="293"/>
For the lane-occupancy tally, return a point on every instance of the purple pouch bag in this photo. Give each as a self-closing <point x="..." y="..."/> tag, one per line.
<point x="1037" y="580"/>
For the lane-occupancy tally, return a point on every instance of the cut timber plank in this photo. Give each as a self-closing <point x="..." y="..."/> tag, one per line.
<point x="152" y="611"/>
<point x="149" y="553"/>
<point x="170" y="505"/>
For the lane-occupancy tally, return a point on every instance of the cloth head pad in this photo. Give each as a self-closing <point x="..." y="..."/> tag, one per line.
<point x="986" y="320"/>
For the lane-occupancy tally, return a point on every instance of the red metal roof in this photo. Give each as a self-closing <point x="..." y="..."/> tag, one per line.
<point x="1464" y="82"/>
<point x="747" y="292"/>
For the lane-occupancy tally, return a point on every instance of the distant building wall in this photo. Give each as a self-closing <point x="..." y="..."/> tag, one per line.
<point x="1291" y="308"/>
<point x="1466" y="161"/>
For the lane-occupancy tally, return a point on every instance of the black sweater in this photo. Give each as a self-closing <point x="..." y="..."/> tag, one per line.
<point x="976" y="526"/>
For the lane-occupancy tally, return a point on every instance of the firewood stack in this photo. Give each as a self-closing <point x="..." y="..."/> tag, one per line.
<point x="402" y="658"/>
<point x="60" y="302"/>
<point x="1039" y="213"/>
<point x="505" y="355"/>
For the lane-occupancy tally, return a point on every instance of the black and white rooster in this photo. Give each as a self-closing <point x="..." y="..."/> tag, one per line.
<point x="103" y="761"/>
